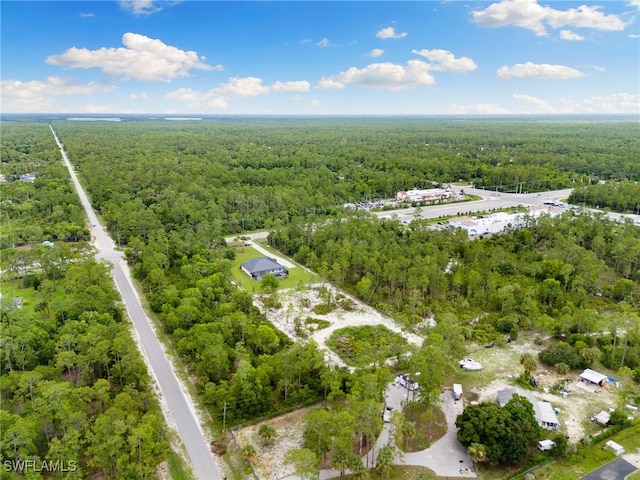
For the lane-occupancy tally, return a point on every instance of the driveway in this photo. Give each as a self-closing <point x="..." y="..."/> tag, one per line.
<point x="447" y="457"/>
<point x="616" y="470"/>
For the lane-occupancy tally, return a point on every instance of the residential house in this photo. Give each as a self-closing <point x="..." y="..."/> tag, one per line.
<point x="543" y="412"/>
<point x="258" y="267"/>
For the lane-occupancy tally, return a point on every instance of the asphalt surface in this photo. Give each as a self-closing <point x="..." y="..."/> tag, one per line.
<point x="171" y="391"/>
<point x="616" y="470"/>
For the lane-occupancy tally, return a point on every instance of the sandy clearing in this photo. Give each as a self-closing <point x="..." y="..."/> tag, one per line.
<point x="269" y="459"/>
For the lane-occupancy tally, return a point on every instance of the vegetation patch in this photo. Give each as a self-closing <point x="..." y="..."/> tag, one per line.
<point x="359" y="346"/>
<point x="430" y="423"/>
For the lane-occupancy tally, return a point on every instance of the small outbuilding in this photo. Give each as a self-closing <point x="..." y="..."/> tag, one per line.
<point x="616" y="448"/>
<point x="593" y="377"/>
<point x="258" y="267"/>
<point x="602" y="418"/>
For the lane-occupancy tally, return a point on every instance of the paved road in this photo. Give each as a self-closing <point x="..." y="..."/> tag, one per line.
<point x="616" y="470"/>
<point x="172" y="393"/>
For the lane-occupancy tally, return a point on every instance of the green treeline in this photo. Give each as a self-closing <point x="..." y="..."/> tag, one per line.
<point x="623" y="196"/>
<point x="225" y="176"/>
<point x="75" y="395"/>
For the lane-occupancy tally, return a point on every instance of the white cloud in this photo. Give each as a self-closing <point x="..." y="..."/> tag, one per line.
<point x="145" y="7"/>
<point x="298" y="86"/>
<point x="538" y="71"/>
<point x="522" y="13"/>
<point x="475" y="109"/>
<point x="569" y="35"/>
<point x="445" y="60"/>
<point x="238" y="87"/>
<point x="532" y="16"/>
<point x="330" y="83"/>
<point x="141" y="96"/>
<point x="37" y="96"/>
<point x="143" y="58"/>
<point x="383" y="75"/>
<point x="541" y="106"/>
<point x="634" y="3"/>
<point x="315" y="103"/>
<point x="87" y="15"/>
<point x="584" y="17"/>
<point x="376" y="52"/>
<point x="324" y="43"/>
<point x="390" y="32"/>
<point x="617" y="103"/>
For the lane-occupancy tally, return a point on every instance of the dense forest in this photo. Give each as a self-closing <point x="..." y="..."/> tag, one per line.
<point x="225" y="176"/>
<point x="170" y="192"/>
<point x="623" y="196"/>
<point x="76" y="400"/>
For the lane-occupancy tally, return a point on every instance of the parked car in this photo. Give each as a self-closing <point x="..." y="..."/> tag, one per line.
<point x="405" y="381"/>
<point x="386" y="414"/>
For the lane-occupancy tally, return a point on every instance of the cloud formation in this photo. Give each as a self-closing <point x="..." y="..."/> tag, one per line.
<point x="143" y="58"/>
<point x="541" y="71"/>
<point x="390" y="32"/>
<point x="383" y="75"/>
<point x="571" y="36"/>
<point x="234" y="88"/>
<point x="539" y="105"/>
<point x="375" y="53"/>
<point x="445" y="60"/>
<point x="145" y="7"/>
<point x="37" y="95"/>
<point x="532" y="16"/>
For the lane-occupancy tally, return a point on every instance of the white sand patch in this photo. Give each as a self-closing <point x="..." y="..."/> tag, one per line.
<point x="269" y="459"/>
<point x="297" y="303"/>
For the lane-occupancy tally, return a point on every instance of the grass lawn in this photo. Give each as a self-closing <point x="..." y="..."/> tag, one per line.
<point x="431" y="425"/>
<point x="297" y="276"/>
<point x="15" y="289"/>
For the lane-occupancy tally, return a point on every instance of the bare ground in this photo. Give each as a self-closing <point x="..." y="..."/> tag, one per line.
<point x="268" y="462"/>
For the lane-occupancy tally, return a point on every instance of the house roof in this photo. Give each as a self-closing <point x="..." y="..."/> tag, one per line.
<point x="603" y="417"/>
<point x="261" y="264"/>
<point x="593" y="376"/>
<point x="543" y="411"/>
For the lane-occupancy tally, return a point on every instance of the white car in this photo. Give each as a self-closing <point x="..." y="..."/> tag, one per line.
<point x="386" y="415"/>
<point x="470" y="364"/>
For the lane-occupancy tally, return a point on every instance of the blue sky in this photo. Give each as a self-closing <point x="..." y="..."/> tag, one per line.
<point x="321" y="58"/>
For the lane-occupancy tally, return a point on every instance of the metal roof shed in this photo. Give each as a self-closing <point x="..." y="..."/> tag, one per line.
<point x="591" y="376"/>
<point x="616" y="448"/>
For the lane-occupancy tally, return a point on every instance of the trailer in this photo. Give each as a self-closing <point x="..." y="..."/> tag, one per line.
<point x="457" y="391"/>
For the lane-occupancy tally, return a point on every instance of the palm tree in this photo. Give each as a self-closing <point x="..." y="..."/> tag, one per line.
<point x="477" y="452"/>
<point x="408" y="432"/>
<point x="267" y="433"/>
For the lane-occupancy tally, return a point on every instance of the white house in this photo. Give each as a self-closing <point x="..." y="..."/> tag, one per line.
<point x="543" y="412"/>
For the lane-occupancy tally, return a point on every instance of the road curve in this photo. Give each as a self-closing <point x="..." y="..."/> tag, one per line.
<point x="173" y="395"/>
